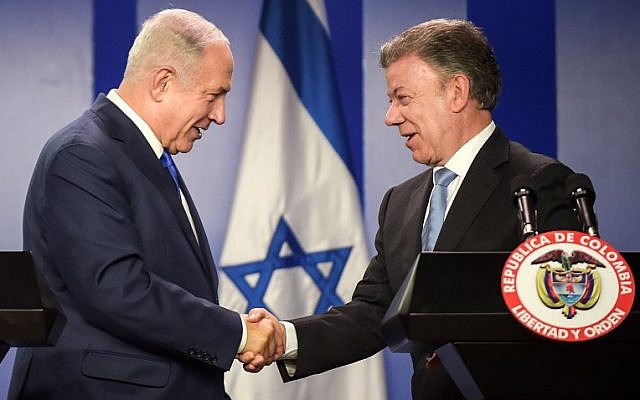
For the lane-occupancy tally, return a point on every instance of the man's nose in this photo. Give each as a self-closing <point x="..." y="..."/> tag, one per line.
<point x="393" y="116"/>
<point x="217" y="113"/>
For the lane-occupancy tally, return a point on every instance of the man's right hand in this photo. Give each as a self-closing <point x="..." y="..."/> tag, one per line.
<point x="265" y="340"/>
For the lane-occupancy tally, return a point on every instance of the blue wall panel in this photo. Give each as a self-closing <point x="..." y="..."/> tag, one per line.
<point x="523" y="37"/>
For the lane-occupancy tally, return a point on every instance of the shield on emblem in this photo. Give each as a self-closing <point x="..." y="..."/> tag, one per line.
<point x="569" y="286"/>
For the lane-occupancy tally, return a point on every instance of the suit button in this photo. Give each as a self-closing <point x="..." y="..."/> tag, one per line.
<point x="205" y="356"/>
<point x="214" y="359"/>
<point x="191" y="352"/>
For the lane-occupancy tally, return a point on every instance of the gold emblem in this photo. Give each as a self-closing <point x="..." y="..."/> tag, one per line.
<point x="568" y="281"/>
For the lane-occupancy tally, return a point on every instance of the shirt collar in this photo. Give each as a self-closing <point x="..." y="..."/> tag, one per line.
<point x="461" y="161"/>
<point x="148" y="134"/>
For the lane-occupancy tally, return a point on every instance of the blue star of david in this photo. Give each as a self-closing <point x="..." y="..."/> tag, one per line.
<point x="298" y="258"/>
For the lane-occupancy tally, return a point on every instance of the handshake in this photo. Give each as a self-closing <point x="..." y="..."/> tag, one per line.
<point x="266" y="340"/>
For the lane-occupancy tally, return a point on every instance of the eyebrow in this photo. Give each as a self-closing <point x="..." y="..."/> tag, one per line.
<point x="218" y="90"/>
<point x="395" y="91"/>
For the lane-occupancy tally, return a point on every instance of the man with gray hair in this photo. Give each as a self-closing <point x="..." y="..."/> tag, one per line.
<point x="115" y="233"/>
<point x="443" y="82"/>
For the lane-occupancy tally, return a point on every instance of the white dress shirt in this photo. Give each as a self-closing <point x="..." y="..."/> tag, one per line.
<point x="460" y="163"/>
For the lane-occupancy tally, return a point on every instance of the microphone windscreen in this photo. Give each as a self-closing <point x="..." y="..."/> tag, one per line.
<point x="523" y="181"/>
<point x="579" y="181"/>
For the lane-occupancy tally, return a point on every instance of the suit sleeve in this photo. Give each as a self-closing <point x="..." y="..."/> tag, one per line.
<point x="96" y="251"/>
<point x="351" y="332"/>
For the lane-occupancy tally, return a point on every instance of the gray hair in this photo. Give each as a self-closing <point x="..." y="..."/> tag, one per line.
<point x="451" y="46"/>
<point x="173" y="37"/>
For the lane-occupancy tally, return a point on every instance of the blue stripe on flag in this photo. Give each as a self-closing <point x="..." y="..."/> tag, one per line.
<point x="302" y="45"/>
<point x="345" y="25"/>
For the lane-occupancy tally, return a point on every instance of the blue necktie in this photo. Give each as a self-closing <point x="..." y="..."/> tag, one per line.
<point x="167" y="162"/>
<point x="437" y="207"/>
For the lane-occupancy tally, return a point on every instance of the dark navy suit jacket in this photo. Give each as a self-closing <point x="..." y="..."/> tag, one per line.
<point x="106" y="229"/>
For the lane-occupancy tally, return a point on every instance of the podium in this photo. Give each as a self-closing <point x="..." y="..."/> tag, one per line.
<point x="450" y="308"/>
<point x="29" y="316"/>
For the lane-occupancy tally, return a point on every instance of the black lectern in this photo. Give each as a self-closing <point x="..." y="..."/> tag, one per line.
<point x="450" y="306"/>
<point x="29" y="315"/>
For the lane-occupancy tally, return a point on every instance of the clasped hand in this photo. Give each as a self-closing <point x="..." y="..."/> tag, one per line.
<point x="266" y="340"/>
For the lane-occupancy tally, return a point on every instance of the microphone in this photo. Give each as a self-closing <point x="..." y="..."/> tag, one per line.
<point x="580" y="190"/>
<point x="524" y="197"/>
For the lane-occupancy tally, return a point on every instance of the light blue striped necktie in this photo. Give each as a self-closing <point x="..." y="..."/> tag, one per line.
<point x="437" y="208"/>
<point x="168" y="163"/>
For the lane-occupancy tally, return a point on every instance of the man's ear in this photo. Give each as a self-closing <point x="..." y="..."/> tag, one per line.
<point x="162" y="80"/>
<point x="460" y="87"/>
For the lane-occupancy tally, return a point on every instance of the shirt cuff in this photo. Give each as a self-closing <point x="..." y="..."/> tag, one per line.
<point x="291" y="345"/>
<point x="243" y="340"/>
<point x="291" y="348"/>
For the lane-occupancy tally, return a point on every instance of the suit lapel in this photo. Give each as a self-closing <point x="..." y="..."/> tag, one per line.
<point x="414" y="218"/>
<point x="205" y="251"/>
<point x="135" y="146"/>
<point x="481" y="180"/>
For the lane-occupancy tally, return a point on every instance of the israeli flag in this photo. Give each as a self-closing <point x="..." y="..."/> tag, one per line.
<point x="295" y="243"/>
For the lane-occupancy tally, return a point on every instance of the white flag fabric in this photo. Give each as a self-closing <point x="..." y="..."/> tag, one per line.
<point x="295" y="242"/>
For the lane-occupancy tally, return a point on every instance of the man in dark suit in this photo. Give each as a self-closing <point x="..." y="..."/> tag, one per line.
<point x="115" y="232"/>
<point x="443" y="82"/>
